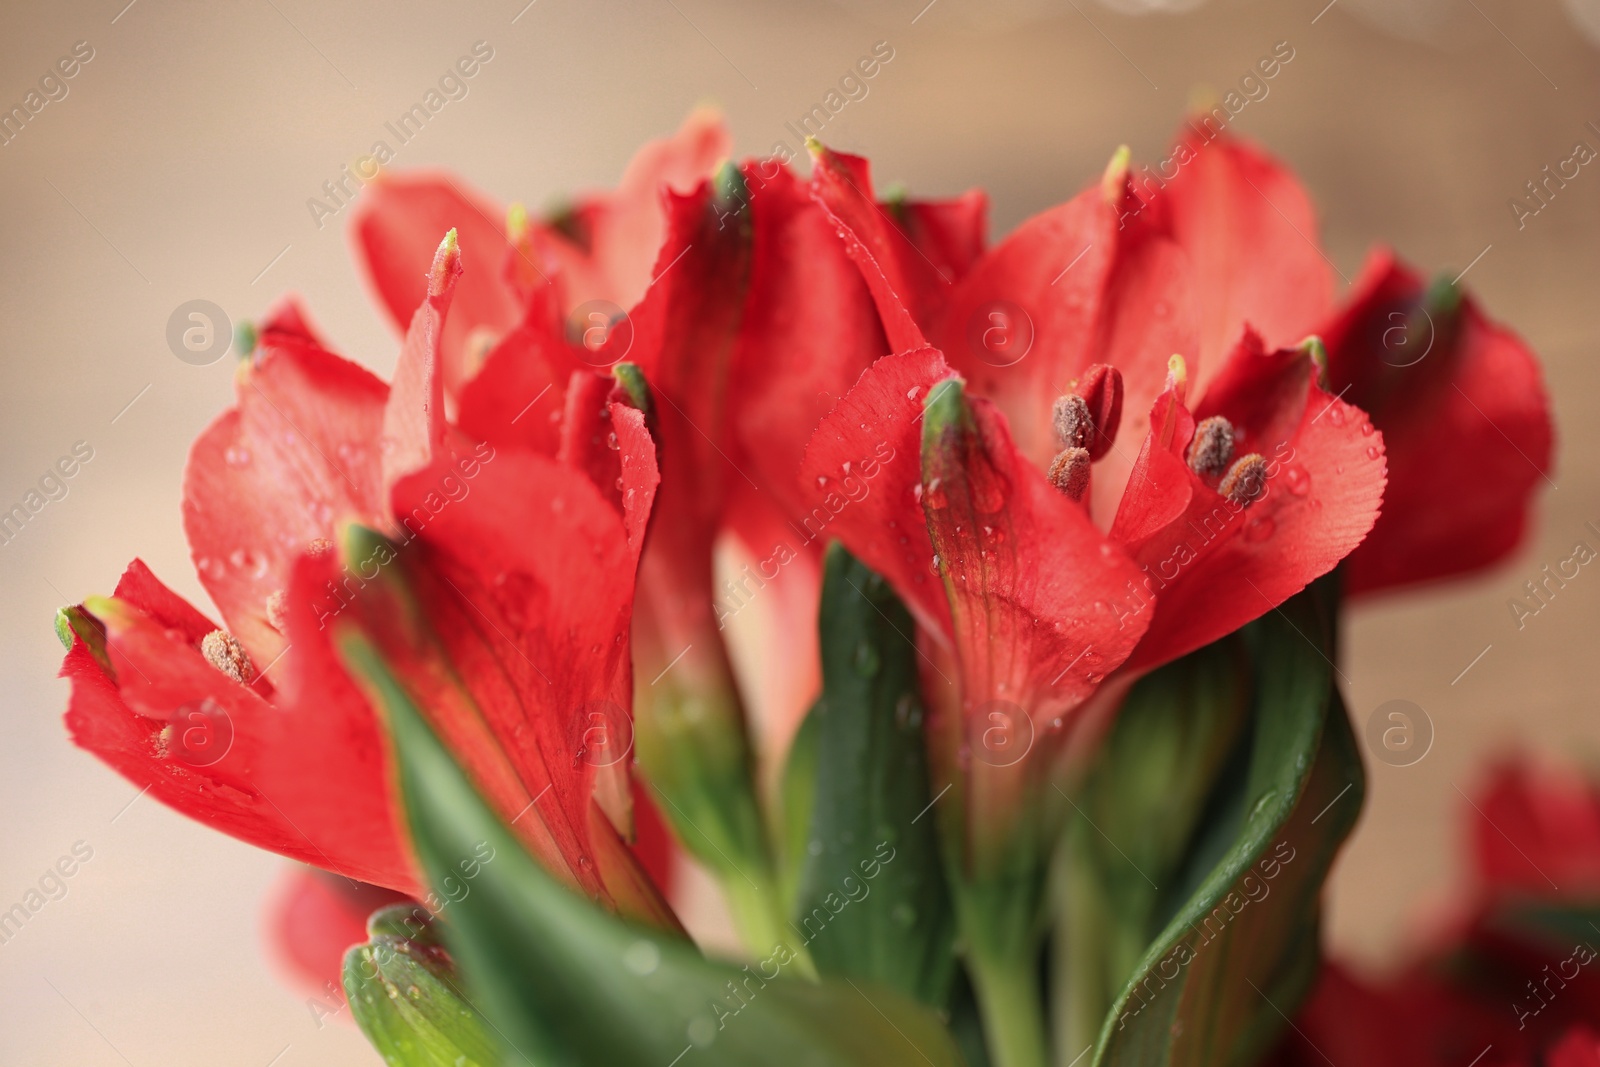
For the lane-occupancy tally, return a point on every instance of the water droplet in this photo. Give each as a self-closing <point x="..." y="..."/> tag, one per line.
<point x="936" y="496"/>
<point x="1296" y="479"/>
<point x="1259" y="529"/>
<point x="933" y="564"/>
<point x="1336" y="414"/>
<point x="612" y="442"/>
<point x="913" y="392"/>
<point x="237" y="457"/>
<point x="1366" y="429"/>
<point x="1372" y="451"/>
<point x="822" y="480"/>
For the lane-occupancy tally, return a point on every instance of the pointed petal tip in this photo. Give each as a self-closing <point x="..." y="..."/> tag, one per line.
<point x="1313" y="347"/>
<point x="64" y="628"/>
<point x="1115" y="178"/>
<point x="516" y="221"/>
<point x="446" y="265"/>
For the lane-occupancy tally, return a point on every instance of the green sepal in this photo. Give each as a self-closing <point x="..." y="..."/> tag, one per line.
<point x="873" y="902"/>
<point x="1131" y="823"/>
<point x="564" y="983"/>
<point x="408" y="999"/>
<point x="74" y="622"/>
<point x="632" y="382"/>
<point x="1240" y="951"/>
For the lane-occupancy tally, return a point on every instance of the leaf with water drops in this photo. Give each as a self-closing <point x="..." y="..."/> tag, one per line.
<point x="873" y="902"/>
<point x="563" y="983"/>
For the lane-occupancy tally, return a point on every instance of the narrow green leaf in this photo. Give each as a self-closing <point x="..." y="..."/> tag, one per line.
<point x="872" y="901"/>
<point x="1239" y="949"/>
<point x="565" y="983"/>
<point x="407" y="997"/>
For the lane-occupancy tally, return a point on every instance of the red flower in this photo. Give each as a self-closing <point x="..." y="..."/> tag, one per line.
<point x="1464" y="414"/>
<point x="1514" y="973"/>
<point x="1053" y="577"/>
<point x="504" y="593"/>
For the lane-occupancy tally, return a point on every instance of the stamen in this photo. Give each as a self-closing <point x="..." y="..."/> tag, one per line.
<point x="224" y="652"/>
<point x="1101" y="389"/>
<point x="1246" y="480"/>
<point x="277" y="611"/>
<point x="1073" y="424"/>
<point x="320" y="546"/>
<point x="1212" y="447"/>
<point x="1069" y="472"/>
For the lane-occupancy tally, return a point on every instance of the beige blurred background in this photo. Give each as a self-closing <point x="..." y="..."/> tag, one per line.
<point x="178" y="167"/>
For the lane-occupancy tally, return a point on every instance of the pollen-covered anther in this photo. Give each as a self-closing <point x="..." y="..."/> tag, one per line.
<point x="1073" y="424"/>
<point x="224" y="652"/>
<point x="1069" y="472"/>
<point x="1246" y="480"/>
<point x="277" y="611"/>
<point x="1212" y="447"/>
<point x="319" y="546"/>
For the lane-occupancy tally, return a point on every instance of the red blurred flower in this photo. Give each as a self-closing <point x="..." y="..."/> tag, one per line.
<point x="1514" y="976"/>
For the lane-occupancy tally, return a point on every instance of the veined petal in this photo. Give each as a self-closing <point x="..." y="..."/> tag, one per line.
<point x="394" y="231"/>
<point x="273" y="477"/>
<point x="1250" y="232"/>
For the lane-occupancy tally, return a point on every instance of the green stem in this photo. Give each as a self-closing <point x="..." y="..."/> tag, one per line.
<point x="1009" y="1003"/>
<point x="758" y="914"/>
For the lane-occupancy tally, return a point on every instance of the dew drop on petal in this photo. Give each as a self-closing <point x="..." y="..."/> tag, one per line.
<point x="1259" y="529"/>
<point x="1296" y="479"/>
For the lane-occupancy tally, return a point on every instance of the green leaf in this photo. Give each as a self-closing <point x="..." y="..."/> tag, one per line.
<point x="407" y="997"/>
<point x="872" y="901"/>
<point x="1240" y="950"/>
<point x="797" y="800"/>
<point x="565" y="983"/>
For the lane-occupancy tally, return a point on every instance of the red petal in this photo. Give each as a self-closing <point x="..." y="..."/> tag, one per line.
<point x="1579" y="1048"/>
<point x="1087" y="282"/>
<point x="1536" y="829"/>
<point x="904" y="283"/>
<point x="1467" y="426"/>
<point x="200" y="742"/>
<point x="1251" y="235"/>
<point x="1218" y="566"/>
<point x="312" y="919"/>
<point x="516" y="399"/>
<point x="395" y="228"/>
<point x="863" y="474"/>
<point x="1029" y="578"/>
<point x="297" y="456"/>
<point x="793" y="364"/>
<point x="625" y="228"/>
<point x="414" y="417"/>
<point x="527" y="580"/>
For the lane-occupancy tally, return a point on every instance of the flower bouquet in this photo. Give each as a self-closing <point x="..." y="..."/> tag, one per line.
<point x="968" y="612"/>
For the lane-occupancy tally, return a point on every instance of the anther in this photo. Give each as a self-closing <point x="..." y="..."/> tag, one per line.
<point x="1069" y="472"/>
<point x="1246" y="480"/>
<point x="1073" y="424"/>
<point x="224" y="652"/>
<point x="1212" y="447"/>
<point x="319" y="546"/>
